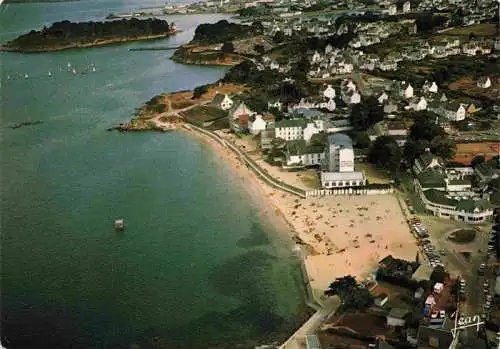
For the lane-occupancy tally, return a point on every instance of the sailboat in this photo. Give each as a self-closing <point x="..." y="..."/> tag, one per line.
<point x="69" y="65"/>
<point x="26" y="76"/>
<point x="93" y="69"/>
<point x="74" y="71"/>
<point x="50" y="74"/>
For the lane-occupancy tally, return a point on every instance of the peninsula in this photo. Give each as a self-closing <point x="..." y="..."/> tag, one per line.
<point x="65" y="34"/>
<point x="221" y="43"/>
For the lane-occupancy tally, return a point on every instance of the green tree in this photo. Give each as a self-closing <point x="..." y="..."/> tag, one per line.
<point x="342" y="287"/>
<point x="360" y="298"/>
<point x="425" y="127"/>
<point x="477" y="160"/>
<point x="362" y="140"/>
<point x="227" y="47"/>
<point x="199" y="91"/>
<point x="352" y="295"/>
<point x="443" y="147"/>
<point x="279" y="37"/>
<point x="366" y="114"/>
<point x="438" y="274"/>
<point x="385" y="153"/>
<point x="259" y="49"/>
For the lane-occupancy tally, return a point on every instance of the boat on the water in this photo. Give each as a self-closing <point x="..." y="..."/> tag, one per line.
<point x="119" y="224"/>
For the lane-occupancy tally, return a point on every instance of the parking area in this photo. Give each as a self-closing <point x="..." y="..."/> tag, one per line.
<point x="428" y="249"/>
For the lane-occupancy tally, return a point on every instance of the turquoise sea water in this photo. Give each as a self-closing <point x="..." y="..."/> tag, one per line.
<point x="196" y="266"/>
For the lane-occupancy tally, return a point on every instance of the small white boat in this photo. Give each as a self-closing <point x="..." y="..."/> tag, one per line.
<point x="119" y="224"/>
<point x="26" y="76"/>
<point x="69" y="65"/>
<point x="50" y="74"/>
<point x="8" y="77"/>
<point x="74" y="71"/>
<point x="93" y="69"/>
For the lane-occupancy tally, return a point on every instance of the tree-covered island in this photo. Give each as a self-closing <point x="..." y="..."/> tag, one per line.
<point x="65" y="34"/>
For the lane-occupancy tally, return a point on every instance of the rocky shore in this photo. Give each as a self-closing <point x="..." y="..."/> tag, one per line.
<point x="137" y="125"/>
<point x="200" y="55"/>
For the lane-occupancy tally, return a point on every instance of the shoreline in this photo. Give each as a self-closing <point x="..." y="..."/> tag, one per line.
<point x="338" y="235"/>
<point x="96" y="43"/>
<point x="256" y="188"/>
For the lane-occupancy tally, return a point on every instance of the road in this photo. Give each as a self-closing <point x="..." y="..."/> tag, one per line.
<point x="311" y="326"/>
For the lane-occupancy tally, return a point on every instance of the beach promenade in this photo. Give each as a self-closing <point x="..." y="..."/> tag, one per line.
<point x="297" y="340"/>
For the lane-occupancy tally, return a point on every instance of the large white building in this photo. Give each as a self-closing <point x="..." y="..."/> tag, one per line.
<point x="446" y="192"/>
<point x="340" y="153"/>
<point x="298" y="129"/>
<point x="290" y="130"/>
<point x="339" y="160"/>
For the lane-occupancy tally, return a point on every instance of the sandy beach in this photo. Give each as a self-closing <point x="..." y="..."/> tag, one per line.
<point x="341" y="234"/>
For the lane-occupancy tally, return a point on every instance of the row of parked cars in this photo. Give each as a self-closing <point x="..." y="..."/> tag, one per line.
<point x="425" y="243"/>
<point x="493" y="248"/>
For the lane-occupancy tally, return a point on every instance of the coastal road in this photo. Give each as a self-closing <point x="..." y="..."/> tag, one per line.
<point x="311" y="326"/>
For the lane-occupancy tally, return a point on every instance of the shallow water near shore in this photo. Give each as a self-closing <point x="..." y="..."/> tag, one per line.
<point x="196" y="265"/>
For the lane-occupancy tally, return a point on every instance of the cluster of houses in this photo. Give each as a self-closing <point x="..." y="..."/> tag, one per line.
<point x="302" y="138"/>
<point x="473" y="11"/>
<point x="335" y="62"/>
<point x="448" y="192"/>
<point x="433" y="303"/>
<point x="241" y="118"/>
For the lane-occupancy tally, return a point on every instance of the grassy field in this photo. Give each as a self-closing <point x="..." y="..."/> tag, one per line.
<point x="468" y="85"/>
<point x="373" y="175"/>
<point x="203" y="114"/>
<point x="310" y="179"/>
<point x="463" y="236"/>
<point x="480" y="29"/>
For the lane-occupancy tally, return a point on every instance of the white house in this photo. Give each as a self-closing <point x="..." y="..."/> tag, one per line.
<point x="418" y="104"/>
<point x="393" y="10"/>
<point x="276" y="104"/>
<point x="430" y="87"/>
<point x="350" y="85"/>
<point x="238" y="117"/>
<point x="256" y="124"/>
<point x="312" y="128"/>
<point x="407" y="90"/>
<point x="289" y="130"/>
<point x="484" y="82"/>
<point x="406" y="7"/>
<point x="455" y="112"/>
<point x="299" y="154"/>
<point x="382" y="98"/>
<point x="274" y="65"/>
<point x="329" y="92"/>
<point x="222" y="101"/>
<point x="316" y="58"/>
<point x="328" y="49"/>
<point x="387" y="65"/>
<point x="351" y="97"/>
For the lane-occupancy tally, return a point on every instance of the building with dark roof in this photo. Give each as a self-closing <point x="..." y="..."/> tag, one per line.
<point x="468" y="210"/>
<point x="447" y="192"/>
<point x="434" y="338"/>
<point x="299" y="154"/>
